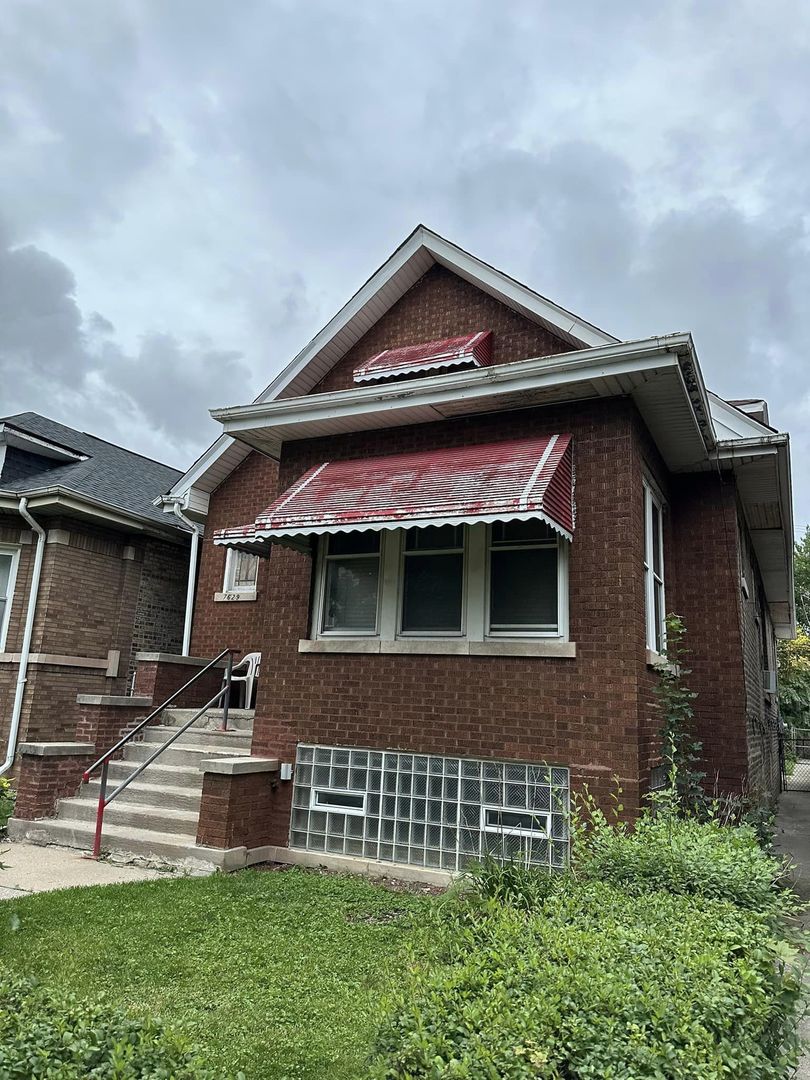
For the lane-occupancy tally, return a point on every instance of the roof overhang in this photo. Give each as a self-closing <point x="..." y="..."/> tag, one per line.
<point x="660" y="374"/>
<point x="761" y="468"/>
<point x="34" y="444"/>
<point x="57" y="500"/>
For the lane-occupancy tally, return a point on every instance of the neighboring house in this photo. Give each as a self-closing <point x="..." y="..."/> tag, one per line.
<point x="77" y="513"/>
<point x="452" y="527"/>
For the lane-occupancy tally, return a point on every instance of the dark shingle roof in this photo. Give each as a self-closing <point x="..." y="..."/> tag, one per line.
<point x="118" y="478"/>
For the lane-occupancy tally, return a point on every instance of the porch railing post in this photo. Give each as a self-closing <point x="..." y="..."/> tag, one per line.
<point x="102" y="802"/>
<point x="226" y="701"/>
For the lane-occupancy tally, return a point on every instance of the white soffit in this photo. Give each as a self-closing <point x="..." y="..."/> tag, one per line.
<point x="412" y="259"/>
<point x="732" y="423"/>
<point x="654" y="372"/>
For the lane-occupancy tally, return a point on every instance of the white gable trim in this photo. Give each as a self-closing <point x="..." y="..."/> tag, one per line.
<point x="421" y="250"/>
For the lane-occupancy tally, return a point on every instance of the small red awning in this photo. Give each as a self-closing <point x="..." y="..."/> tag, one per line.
<point x="469" y="350"/>
<point x="503" y="481"/>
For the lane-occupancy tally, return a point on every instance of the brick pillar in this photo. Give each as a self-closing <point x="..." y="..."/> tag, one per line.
<point x="105" y="718"/>
<point x="158" y="675"/>
<point x="49" y="772"/>
<point x="239" y="803"/>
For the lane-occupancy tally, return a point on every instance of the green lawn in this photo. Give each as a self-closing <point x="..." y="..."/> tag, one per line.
<point x="277" y="974"/>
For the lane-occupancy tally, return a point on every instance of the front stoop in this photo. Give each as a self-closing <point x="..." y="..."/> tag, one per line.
<point x="155" y="818"/>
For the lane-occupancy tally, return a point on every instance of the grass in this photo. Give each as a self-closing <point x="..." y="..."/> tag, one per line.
<point x="275" y="974"/>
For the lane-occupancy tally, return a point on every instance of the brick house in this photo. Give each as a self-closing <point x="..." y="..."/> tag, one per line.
<point x="109" y="572"/>
<point x="452" y="526"/>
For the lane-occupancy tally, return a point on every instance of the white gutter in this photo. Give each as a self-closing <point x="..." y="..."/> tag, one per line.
<point x="25" y="651"/>
<point x="196" y="530"/>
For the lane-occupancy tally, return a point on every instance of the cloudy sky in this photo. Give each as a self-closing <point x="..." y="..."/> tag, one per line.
<point x="190" y="188"/>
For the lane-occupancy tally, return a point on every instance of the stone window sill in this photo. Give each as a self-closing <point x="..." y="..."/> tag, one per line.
<point x="234" y="597"/>
<point x="658" y="661"/>
<point x="433" y="647"/>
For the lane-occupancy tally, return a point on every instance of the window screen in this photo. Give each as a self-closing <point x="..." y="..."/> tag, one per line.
<point x="433" y="580"/>
<point x="523" y="578"/>
<point x="428" y="810"/>
<point x="352" y="563"/>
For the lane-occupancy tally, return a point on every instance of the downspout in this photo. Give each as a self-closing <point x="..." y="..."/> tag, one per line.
<point x="192" y="574"/>
<point x="25" y="651"/>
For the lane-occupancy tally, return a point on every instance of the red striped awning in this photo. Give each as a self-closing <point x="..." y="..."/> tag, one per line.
<point x="503" y="481"/>
<point x="469" y="350"/>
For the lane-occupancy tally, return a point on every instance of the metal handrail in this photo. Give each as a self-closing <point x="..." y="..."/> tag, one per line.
<point x="104" y="761"/>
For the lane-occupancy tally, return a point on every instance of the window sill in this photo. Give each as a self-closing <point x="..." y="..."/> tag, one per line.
<point x="235" y="596"/>
<point x="447" y="647"/>
<point x="659" y="661"/>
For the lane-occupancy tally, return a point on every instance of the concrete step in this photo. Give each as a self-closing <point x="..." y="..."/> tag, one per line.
<point x="147" y="843"/>
<point x="159" y="774"/>
<point x="199" y="737"/>
<point x="238" y="719"/>
<point x="174" y="797"/>
<point x="187" y="755"/>
<point x="157" y="817"/>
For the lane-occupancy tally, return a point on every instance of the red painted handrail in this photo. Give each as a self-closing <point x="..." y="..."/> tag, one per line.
<point x="104" y="761"/>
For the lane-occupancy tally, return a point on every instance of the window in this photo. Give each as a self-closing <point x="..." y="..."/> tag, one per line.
<point x="654" y="571"/>
<point x="523" y="590"/>
<point x="433" y="580"/>
<point x="241" y="571"/>
<point x="351" y="583"/>
<point x="451" y="581"/>
<point x="428" y="810"/>
<point x="8" y="572"/>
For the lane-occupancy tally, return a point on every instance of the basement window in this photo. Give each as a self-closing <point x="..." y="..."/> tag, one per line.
<point x="514" y="822"/>
<point x="9" y="558"/>
<point x="345" y="802"/>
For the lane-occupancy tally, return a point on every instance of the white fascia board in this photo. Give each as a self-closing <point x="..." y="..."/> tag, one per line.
<point x="536" y="373"/>
<point x="449" y="255"/>
<point x="738" y="423"/>
<point x="64" y="499"/>
<point x="469" y="266"/>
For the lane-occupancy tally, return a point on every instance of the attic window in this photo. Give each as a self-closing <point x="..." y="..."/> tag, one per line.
<point x="469" y="350"/>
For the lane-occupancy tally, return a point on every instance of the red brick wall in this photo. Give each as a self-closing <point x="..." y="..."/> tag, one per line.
<point x="582" y="712"/>
<point x="705" y="591"/>
<point x="104" y="725"/>
<point x="442" y="305"/>
<point x="237" y="625"/>
<point x="239" y="811"/>
<point x="43" y="781"/>
<point x="158" y="680"/>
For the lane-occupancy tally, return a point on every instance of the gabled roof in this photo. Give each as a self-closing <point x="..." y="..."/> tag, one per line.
<point x="411" y="260"/>
<point x="51" y="457"/>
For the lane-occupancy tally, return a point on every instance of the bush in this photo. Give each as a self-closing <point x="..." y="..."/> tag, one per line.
<point x="593" y="983"/>
<point x="47" y="1033"/>
<point x="684" y="856"/>
<point x="7" y="797"/>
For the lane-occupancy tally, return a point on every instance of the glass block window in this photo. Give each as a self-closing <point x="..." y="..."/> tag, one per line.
<point x="427" y="810"/>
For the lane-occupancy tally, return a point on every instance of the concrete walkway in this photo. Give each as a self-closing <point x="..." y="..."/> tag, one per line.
<point x="29" y="868"/>
<point x="793" y="839"/>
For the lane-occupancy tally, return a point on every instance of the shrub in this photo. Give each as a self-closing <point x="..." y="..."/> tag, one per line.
<point x="48" y="1033"/>
<point x="684" y="855"/>
<point x="594" y="983"/>
<point x="7" y="797"/>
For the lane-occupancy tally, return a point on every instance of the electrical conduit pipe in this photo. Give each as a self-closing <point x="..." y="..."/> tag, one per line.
<point x="25" y="651"/>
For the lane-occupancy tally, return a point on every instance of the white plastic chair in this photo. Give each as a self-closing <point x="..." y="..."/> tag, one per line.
<point x="249" y="666"/>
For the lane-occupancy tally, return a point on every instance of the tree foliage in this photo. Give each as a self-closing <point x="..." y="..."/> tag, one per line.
<point x="794" y="656"/>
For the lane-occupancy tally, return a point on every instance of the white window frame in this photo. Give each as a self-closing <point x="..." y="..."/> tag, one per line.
<point x="475" y="598"/>
<point x="561" y="633"/>
<point x="228" y="583"/>
<point x="14" y="552"/>
<point x="399" y="536"/>
<point x="337" y="808"/>
<point x="320" y="592"/>
<point x="543" y="833"/>
<point x="653" y="501"/>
